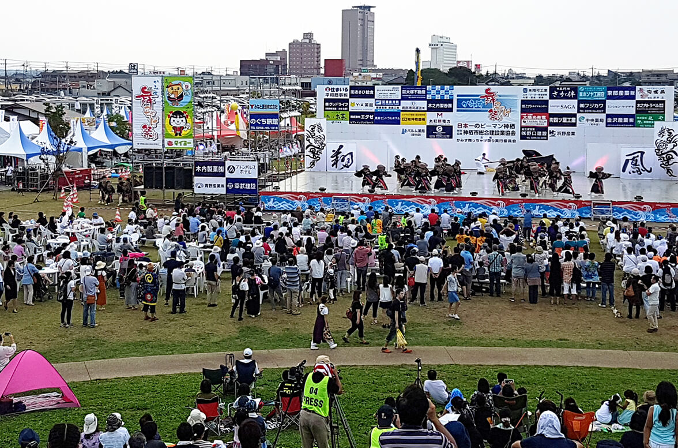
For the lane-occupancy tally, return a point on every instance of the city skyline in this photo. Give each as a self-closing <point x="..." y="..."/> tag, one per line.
<point x="521" y="35"/>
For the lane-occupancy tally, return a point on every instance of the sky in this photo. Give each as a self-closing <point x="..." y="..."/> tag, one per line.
<point x="529" y="35"/>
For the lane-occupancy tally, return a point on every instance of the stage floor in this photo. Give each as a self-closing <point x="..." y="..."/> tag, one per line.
<point x="616" y="189"/>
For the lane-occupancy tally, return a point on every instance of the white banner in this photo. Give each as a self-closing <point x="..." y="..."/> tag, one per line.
<point x="315" y="144"/>
<point x="638" y="162"/>
<point x="563" y="107"/>
<point x="241" y="169"/>
<point x="621" y="107"/>
<point x="387" y="92"/>
<point x="342" y="157"/>
<point x="666" y="149"/>
<point x="147" y="122"/>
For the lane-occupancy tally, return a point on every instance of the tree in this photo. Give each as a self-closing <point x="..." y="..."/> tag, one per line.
<point x="56" y="118"/>
<point x="461" y="76"/>
<point x="119" y="126"/>
<point x="409" y="79"/>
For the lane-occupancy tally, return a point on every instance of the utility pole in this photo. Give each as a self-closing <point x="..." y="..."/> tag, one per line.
<point x="6" y="74"/>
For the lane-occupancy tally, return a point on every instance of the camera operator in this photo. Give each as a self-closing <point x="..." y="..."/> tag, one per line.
<point x="319" y="385"/>
<point x="6" y="351"/>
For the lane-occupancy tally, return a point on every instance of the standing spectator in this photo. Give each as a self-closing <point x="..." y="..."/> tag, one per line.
<point x="6" y="351"/>
<point x="341" y="258"/>
<point x="532" y="278"/>
<point x="89" y="285"/>
<point x="274" y="285"/>
<point x="667" y="286"/>
<point x="555" y="278"/>
<point x="467" y="271"/>
<point x="179" y="279"/>
<point x="517" y="265"/>
<point x="652" y="304"/>
<point x="321" y="329"/>
<point x="356" y="320"/>
<point x="397" y="321"/>
<point x="589" y="271"/>
<point x="420" y="280"/>
<point x="372" y="297"/>
<point x="292" y="278"/>
<point x="361" y="259"/>
<point x="67" y="301"/>
<point x="660" y="427"/>
<point x="27" y="280"/>
<point x="435" y="268"/>
<point x="495" y="261"/>
<point x="567" y="267"/>
<point x="212" y="279"/>
<point x="131" y="282"/>
<point x="317" y="267"/>
<point x="242" y="288"/>
<point x="541" y="260"/>
<point x="452" y="295"/>
<point x="386" y="295"/>
<point x="170" y="265"/>
<point x="527" y="224"/>
<point x="606" y="271"/>
<point x="149" y="290"/>
<point x="11" y="287"/>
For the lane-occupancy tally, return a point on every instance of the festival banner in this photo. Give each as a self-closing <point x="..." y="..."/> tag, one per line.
<point x="179" y="116"/>
<point x="209" y="177"/>
<point x="147" y="125"/>
<point x="242" y="177"/>
<point x="341" y="157"/>
<point x="488" y="116"/>
<point x="315" y="143"/>
<point x="666" y="148"/>
<point x="264" y="114"/>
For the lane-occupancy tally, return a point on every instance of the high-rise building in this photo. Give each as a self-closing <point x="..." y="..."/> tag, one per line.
<point x="275" y="64"/>
<point x="357" y="37"/>
<point x="443" y="53"/>
<point x="304" y="56"/>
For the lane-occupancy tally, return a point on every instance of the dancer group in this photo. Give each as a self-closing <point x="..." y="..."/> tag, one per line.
<point x="533" y="173"/>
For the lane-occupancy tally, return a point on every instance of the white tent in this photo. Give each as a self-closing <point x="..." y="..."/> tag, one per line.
<point x="84" y="141"/>
<point x="89" y="113"/>
<point x="28" y="127"/>
<point x="105" y="134"/>
<point x="105" y="113"/>
<point x="18" y="145"/>
<point x="4" y="135"/>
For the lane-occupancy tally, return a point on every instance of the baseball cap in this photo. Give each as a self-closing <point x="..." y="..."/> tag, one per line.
<point x="91" y="423"/>
<point x="247" y="352"/>
<point x="385" y="416"/>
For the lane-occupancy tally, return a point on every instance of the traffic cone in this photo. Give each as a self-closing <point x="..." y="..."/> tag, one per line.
<point x="63" y="193"/>
<point x="117" y="215"/>
<point x="75" y="199"/>
<point x="68" y="205"/>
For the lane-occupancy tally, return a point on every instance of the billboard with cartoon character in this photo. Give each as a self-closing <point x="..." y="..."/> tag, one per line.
<point x="178" y="114"/>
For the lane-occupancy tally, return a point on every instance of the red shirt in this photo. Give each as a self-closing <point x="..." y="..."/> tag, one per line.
<point x="433" y="218"/>
<point x="230" y="214"/>
<point x="642" y="231"/>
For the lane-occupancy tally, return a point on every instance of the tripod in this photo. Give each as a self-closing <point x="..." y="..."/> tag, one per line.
<point x="338" y="417"/>
<point x="418" y="382"/>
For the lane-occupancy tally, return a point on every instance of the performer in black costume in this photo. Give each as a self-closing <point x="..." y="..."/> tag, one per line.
<point x="373" y="179"/>
<point x="598" y="176"/>
<point x="566" y="186"/>
<point x="555" y="174"/>
<point x="500" y="177"/>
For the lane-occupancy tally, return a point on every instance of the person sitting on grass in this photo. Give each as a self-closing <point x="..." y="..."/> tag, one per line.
<point x="385" y="423"/>
<point x="607" y="413"/>
<point x="185" y="435"/>
<point x="64" y="435"/>
<point x="504" y="433"/>
<point x="436" y="389"/>
<point x="548" y="435"/>
<point x="116" y="435"/>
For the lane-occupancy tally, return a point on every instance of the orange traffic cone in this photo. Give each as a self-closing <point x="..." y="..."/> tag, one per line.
<point x="74" y="195"/>
<point x="117" y="215"/>
<point x="63" y="193"/>
<point x="68" y="205"/>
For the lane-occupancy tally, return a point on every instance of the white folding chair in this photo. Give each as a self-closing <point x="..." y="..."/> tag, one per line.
<point x="192" y="284"/>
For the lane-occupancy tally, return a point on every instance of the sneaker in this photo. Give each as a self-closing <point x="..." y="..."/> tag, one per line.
<point x="450" y="315"/>
<point x="602" y="305"/>
<point x="314" y="347"/>
<point x="333" y="346"/>
<point x="296" y="313"/>
<point x="407" y="350"/>
<point x="345" y="339"/>
<point x="456" y="316"/>
<point x="650" y="330"/>
<point x="385" y="350"/>
<point x="512" y="299"/>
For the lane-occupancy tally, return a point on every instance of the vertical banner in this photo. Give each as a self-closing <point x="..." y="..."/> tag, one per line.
<point x="179" y="117"/>
<point x="264" y="115"/>
<point x="315" y="144"/>
<point x="242" y="177"/>
<point x="209" y="177"/>
<point x="666" y="149"/>
<point x="341" y="156"/>
<point x="638" y="162"/>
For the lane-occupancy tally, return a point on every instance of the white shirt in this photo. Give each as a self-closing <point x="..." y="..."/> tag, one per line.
<point x="317" y="268"/>
<point x="132" y="215"/>
<point x="418" y="218"/>
<point x="296" y="233"/>
<point x="98" y="221"/>
<point x="6" y="352"/>
<point x="71" y="290"/>
<point x="653" y="297"/>
<point x="445" y="221"/>
<point x="421" y="273"/>
<point x="179" y="279"/>
<point x="65" y="265"/>
<point x="324" y="311"/>
<point x="435" y="264"/>
<point x="437" y="389"/>
<point x="161" y="224"/>
<point x="385" y="294"/>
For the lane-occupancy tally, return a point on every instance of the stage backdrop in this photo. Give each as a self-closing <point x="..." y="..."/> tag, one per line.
<point x="463" y="121"/>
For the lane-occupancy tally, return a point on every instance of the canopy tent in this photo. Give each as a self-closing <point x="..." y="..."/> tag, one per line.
<point x="18" y="145"/>
<point x="46" y="137"/>
<point x="30" y="371"/>
<point x="84" y="141"/>
<point x="28" y="127"/>
<point x="105" y="113"/>
<point x="124" y="112"/>
<point x="4" y="135"/>
<point x="89" y="113"/>
<point x="105" y="134"/>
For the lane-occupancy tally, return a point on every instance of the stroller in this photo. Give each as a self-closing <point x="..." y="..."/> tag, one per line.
<point x="40" y="288"/>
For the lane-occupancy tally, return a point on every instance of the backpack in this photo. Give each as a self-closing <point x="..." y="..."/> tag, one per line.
<point x="667" y="278"/>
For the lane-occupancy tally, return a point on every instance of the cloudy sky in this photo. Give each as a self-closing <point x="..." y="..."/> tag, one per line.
<point x="529" y="35"/>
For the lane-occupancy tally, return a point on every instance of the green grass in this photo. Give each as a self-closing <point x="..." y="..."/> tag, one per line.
<point x="166" y="396"/>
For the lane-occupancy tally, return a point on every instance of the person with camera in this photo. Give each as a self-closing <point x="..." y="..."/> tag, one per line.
<point x="414" y="408"/>
<point x="6" y="351"/>
<point x="319" y="386"/>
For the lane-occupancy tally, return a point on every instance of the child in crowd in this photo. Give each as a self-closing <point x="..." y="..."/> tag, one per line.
<point x="628" y="406"/>
<point x="608" y="412"/>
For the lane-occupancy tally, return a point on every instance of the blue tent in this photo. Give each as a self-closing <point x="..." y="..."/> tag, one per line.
<point x="18" y="145"/>
<point x="105" y="134"/>
<point x="84" y="141"/>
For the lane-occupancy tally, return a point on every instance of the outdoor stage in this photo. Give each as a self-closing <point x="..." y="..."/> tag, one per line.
<point x="658" y="204"/>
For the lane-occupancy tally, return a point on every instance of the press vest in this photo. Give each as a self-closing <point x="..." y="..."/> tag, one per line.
<point x="316" y="397"/>
<point x="374" y="436"/>
<point x="142" y="202"/>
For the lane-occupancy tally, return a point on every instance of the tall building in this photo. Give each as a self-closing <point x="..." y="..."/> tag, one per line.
<point x="443" y="53"/>
<point x="357" y="37"/>
<point x="304" y="56"/>
<point x="275" y="64"/>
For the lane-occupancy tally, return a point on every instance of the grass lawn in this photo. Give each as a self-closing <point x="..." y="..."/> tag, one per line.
<point x="166" y="397"/>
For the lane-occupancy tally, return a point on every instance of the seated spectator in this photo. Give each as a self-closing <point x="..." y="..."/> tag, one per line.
<point x="90" y="432"/>
<point x="137" y="440"/>
<point x="483" y="416"/>
<point x="185" y="435"/>
<point x="150" y="430"/>
<point x="459" y="411"/>
<point x="571" y="405"/>
<point x="496" y="389"/>
<point x="385" y="423"/>
<point x="64" y="435"/>
<point x="607" y="413"/>
<point x="200" y="436"/>
<point x="504" y="433"/>
<point x="116" y="435"/>
<point x="649" y="400"/>
<point x="413" y="407"/>
<point x="507" y="391"/>
<point x="436" y="389"/>
<point x="206" y="390"/>
<point x="548" y="435"/>
<point x="634" y="438"/>
<point x="482" y="390"/>
<point x="28" y="438"/>
<point x="250" y="434"/>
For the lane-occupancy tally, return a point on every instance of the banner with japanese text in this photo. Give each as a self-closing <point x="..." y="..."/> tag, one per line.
<point x="242" y="177"/>
<point x="264" y="115"/>
<point x="315" y="144"/>
<point x="209" y="177"/>
<point x="179" y="115"/>
<point x="483" y="115"/>
<point x="147" y="122"/>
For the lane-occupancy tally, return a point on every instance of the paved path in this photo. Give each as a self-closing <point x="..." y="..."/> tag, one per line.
<point x="370" y="356"/>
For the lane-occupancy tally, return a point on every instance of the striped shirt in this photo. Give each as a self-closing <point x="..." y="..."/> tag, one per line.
<point x="292" y="274"/>
<point x="408" y="437"/>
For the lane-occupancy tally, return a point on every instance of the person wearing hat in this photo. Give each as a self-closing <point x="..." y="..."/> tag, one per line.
<point x="90" y="432"/>
<point x="149" y="289"/>
<point x="385" y="423"/>
<point x="435" y="269"/>
<point x="318" y="388"/>
<point x="116" y="435"/>
<point x="100" y="271"/>
<point x="29" y="438"/>
<point x="97" y="220"/>
<point x="196" y="417"/>
<point x="420" y="274"/>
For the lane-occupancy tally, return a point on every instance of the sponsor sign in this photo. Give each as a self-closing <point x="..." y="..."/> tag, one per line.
<point x="413" y="93"/>
<point x="209" y="177"/>
<point x="439" y="118"/>
<point x="621" y="107"/>
<point x="388" y="104"/>
<point x="562" y="93"/>
<point x="387" y="117"/>
<point x="650" y="106"/>
<point x="539" y="120"/>
<point x="413" y="131"/>
<point x="336" y="105"/>
<point x="439" y="131"/>
<point x="591" y="106"/>
<point x="413" y="105"/>
<point x="620" y="121"/>
<point x="621" y="93"/>
<point x="361" y="105"/>
<point x="591" y="119"/>
<point x="563" y="120"/>
<point x="178" y="101"/>
<point x="440" y="105"/>
<point x="387" y="92"/>
<point x="648" y="120"/>
<point x="336" y="115"/>
<point x="650" y="93"/>
<point x="361" y="91"/>
<point x="413" y="118"/>
<point x="439" y="92"/>
<point x="334" y="91"/>
<point x="563" y="106"/>
<point x="535" y="93"/>
<point x="535" y="106"/>
<point x="534" y="133"/>
<point x="361" y="117"/>
<point x="592" y="93"/>
<point x="264" y="122"/>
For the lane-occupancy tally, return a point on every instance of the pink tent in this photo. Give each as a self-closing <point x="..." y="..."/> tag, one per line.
<point x="29" y="371"/>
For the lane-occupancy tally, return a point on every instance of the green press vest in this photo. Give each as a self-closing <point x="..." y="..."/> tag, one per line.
<point x="316" y="397"/>
<point x="374" y="436"/>
<point x="142" y="202"/>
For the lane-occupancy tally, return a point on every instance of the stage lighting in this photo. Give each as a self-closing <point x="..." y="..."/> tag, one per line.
<point x="638" y="198"/>
<point x="474" y="193"/>
<point x="577" y="196"/>
<point x="322" y="189"/>
<point x="523" y="195"/>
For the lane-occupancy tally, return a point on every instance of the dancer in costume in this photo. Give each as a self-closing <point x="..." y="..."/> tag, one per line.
<point x="566" y="186"/>
<point x="598" y="176"/>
